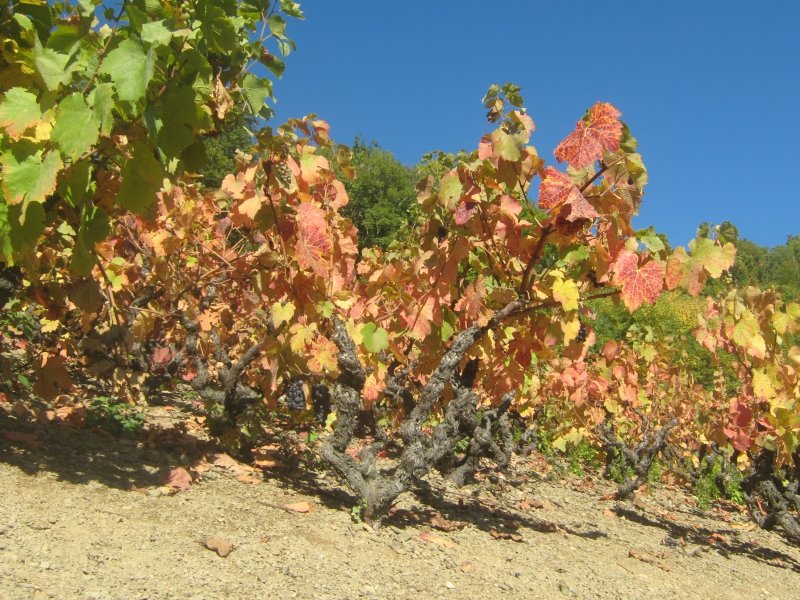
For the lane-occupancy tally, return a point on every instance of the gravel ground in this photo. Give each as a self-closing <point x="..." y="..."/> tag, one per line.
<point x="85" y="516"/>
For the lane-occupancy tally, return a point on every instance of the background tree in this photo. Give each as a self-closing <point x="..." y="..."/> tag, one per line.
<point x="382" y="195"/>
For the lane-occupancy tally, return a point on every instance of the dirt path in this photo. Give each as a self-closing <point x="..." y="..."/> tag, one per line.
<point x="83" y="517"/>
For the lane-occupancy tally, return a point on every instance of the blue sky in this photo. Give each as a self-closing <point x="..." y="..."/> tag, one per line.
<point x="710" y="88"/>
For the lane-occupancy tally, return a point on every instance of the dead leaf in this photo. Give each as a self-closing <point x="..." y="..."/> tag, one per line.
<point x="299" y="507"/>
<point x="218" y="545"/>
<point x="429" y="538"/>
<point x="226" y="462"/>
<point x="442" y="524"/>
<point x="248" y="479"/>
<point x="716" y="538"/>
<point x="649" y="559"/>
<point x="609" y="514"/>
<point x="178" y="478"/>
<point x="506" y="535"/>
<point x="20" y="436"/>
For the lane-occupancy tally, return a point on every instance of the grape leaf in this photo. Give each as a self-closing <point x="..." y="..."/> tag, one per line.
<point x="747" y="334"/>
<point x="314" y="241"/>
<point x="281" y="313"/>
<point x="32" y="179"/>
<point x="156" y="33"/>
<point x="324" y="355"/>
<point x="506" y="146"/>
<point x="102" y="101"/>
<point x="558" y="189"/>
<point x="130" y="69"/>
<point x="707" y="258"/>
<point x="449" y="191"/>
<point x="52" y="67"/>
<point x="19" y="110"/>
<point x="375" y="338"/>
<point x="142" y="177"/>
<point x="639" y="285"/>
<point x="599" y="131"/>
<point x="566" y="292"/>
<point x="256" y="90"/>
<point x="77" y="127"/>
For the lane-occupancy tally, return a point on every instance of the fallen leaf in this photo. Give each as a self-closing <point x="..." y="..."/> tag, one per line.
<point x="439" y="522"/>
<point x="429" y="538"/>
<point x="248" y="479"/>
<point x="716" y="538"/>
<point x="506" y="535"/>
<point x="299" y="507"/>
<point x="20" y="436"/>
<point x="178" y="478"/>
<point x="218" y="545"/>
<point x="649" y="559"/>
<point x="609" y="514"/>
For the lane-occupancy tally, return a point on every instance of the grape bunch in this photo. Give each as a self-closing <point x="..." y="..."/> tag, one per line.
<point x="282" y="173"/>
<point x="592" y="277"/>
<point x="294" y="395"/>
<point x="582" y="333"/>
<point x="321" y="399"/>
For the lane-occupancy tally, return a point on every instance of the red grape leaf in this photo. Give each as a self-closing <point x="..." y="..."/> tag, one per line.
<point x="598" y="131"/>
<point x="313" y="239"/>
<point x="639" y="284"/>
<point x="178" y="478"/>
<point x="557" y="189"/>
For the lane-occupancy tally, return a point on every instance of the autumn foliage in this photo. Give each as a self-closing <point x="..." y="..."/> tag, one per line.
<point x="464" y="331"/>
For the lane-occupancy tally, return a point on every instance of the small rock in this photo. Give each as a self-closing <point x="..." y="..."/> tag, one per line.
<point x="449" y="585"/>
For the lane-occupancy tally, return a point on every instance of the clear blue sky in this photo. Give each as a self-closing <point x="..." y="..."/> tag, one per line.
<point x="710" y="88"/>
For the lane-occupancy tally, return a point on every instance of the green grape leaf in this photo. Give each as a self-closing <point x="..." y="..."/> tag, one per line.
<point x="179" y="118"/>
<point x="102" y="101"/>
<point x="77" y="127"/>
<point x="21" y="230"/>
<point x="375" y="338"/>
<point x="256" y="91"/>
<point x="130" y="69"/>
<point x="6" y="249"/>
<point x="32" y="179"/>
<point x="19" y="110"/>
<point x="142" y="177"/>
<point x="156" y="34"/>
<point x="52" y="67"/>
<point x="218" y="30"/>
<point x="94" y="228"/>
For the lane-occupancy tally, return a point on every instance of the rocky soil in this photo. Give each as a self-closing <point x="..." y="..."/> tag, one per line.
<point x="86" y="515"/>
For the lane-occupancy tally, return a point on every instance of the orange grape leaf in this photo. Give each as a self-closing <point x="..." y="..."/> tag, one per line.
<point x="324" y="356"/>
<point x="707" y="259"/>
<point x="639" y="284"/>
<point x="558" y="189"/>
<point x="747" y="334"/>
<point x="313" y="239"/>
<point x="599" y="130"/>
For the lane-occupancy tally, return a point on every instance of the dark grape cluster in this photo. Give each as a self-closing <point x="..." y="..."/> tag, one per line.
<point x="282" y="173"/>
<point x="294" y="395"/>
<point x="582" y="333"/>
<point x="321" y="399"/>
<point x="592" y="277"/>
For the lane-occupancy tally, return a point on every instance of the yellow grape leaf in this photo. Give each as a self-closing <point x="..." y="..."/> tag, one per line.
<point x="49" y="326"/>
<point x="571" y="325"/>
<point x="281" y="313"/>
<point x="301" y="336"/>
<point x="566" y="292"/>
<point x="324" y="357"/>
<point x="762" y="384"/>
<point x="747" y="334"/>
